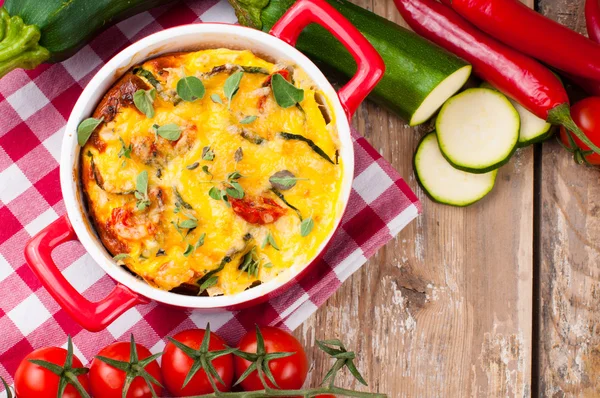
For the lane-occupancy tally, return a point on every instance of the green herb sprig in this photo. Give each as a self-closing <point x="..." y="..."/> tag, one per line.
<point x="141" y="191"/>
<point x="231" y="86"/>
<point x="86" y="128"/>
<point x="190" y="88"/>
<point x="144" y="101"/>
<point x="285" y="93"/>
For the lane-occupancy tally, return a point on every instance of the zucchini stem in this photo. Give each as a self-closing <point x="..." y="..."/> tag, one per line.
<point x="19" y="44"/>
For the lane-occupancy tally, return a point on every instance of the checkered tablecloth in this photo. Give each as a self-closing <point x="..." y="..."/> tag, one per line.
<point x="34" y="107"/>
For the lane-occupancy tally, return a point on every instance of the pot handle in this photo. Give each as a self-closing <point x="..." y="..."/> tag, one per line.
<point x="93" y="316"/>
<point x="370" y="65"/>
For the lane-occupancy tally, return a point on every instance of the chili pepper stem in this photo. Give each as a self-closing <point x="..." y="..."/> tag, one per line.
<point x="308" y="393"/>
<point x="19" y="47"/>
<point x="561" y="115"/>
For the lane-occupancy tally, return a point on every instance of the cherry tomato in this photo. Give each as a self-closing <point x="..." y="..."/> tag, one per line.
<point x="34" y="381"/>
<point x="586" y="114"/>
<point x="176" y="365"/>
<point x="258" y="210"/>
<point x="289" y="372"/>
<point x="107" y="381"/>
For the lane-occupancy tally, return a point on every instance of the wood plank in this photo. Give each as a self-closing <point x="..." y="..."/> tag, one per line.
<point x="569" y="348"/>
<point x="444" y="310"/>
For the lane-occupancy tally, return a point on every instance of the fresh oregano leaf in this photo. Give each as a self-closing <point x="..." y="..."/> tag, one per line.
<point x="205" y="170"/>
<point x="232" y="85"/>
<point x="285" y="93"/>
<point x="283" y="180"/>
<point x="269" y="240"/>
<point x="125" y="150"/>
<point x="248" y="119"/>
<point x="190" y="88"/>
<point x="121" y="256"/>
<point x="235" y="191"/>
<point x="306" y="226"/>
<point x="86" y="128"/>
<point x="188" y="224"/>
<point x="268" y="265"/>
<point x="207" y="153"/>
<point x="192" y="166"/>
<point x="216" y="99"/>
<point x="215" y="193"/>
<point x="200" y="240"/>
<point x="188" y="250"/>
<point x="141" y="183"/>
<point x="144" y="101"/>
<point x="170" y="131"/>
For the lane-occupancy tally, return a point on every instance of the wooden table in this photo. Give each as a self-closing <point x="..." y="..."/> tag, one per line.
<point x="501" y="299"/>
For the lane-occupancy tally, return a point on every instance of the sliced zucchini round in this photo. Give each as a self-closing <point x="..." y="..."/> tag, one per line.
<point x="478" y="130"/>
<point x="533" y="129"/>
<point x="445" y="184"/>
<point x="436" y="98"/>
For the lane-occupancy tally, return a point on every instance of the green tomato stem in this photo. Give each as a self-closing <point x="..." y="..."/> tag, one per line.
<point x="307" y="393"/>
<point x="561" y="115"/>
<point x="19" y="44"/>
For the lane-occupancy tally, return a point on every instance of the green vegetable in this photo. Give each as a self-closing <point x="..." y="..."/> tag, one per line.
<point x="147" y="75"/>
<point x="285" y="93"/>
<point x="283" y="180"/>
<point x="125" y="150"/>
<point x="306" y="226"/>
<point x="232" y="85"/>
<point x="188" y="224"/>
<point x="288" y="204"/>
<point x="419" y="77"/>
<point x="190" y="88"/>
<point x="215" y="193"/>
<point x="248" y="119"/>
<point x="533" y="129"/>
<point x="445" y="184"/>
<point x="36" y="31"/>
<point x="144" y="100"/>
<point x="269" y="240"/>
<point x="141" y="190"/>
<point x="170" y="131"/>
<point x="207" y="153"/>
<point x="216" y="99"/>
<point x="121" y="256"/>
<point x="86" y="128"/>
<point x="311" y="144"/>
<point x="478" y="130"/>
<point x="192" y="166"/>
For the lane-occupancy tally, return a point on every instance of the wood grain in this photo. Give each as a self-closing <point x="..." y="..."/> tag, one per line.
<point x="569" y="348"/>
<point x="444" y="310"/>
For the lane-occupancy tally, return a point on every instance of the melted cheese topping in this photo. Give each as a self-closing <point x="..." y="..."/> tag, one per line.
<point x="156" y="248"/>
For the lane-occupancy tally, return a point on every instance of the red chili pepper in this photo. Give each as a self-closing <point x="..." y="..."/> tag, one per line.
<point x="516" y="75"/>
<point x="592" y="19"/>
<point x="258" y="210"/>
<point x="520" y="27"/>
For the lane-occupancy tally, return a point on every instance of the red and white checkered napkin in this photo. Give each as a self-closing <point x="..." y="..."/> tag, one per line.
<point x="34" y="107"/>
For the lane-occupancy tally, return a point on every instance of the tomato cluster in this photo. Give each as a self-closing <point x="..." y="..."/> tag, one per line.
<point x="184" y="370"/>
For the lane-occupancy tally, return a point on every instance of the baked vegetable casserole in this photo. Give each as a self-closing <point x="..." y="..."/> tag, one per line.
<point x="210" y="172"/>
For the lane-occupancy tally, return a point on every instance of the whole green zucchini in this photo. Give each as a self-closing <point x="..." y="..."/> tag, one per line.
<point x="36" y="31"/>
<point x="419" y="76"/>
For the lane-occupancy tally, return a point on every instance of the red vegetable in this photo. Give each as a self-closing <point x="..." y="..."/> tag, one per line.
<point x="117" y="362"/>
<point x="289" y="372"/>
<point x="586" y="114"/>
<point x="40" y="379"/>
<point x="516" y="75"/>
<point x="517" y="25"/>
<point x="258" y="210"/>
<point x="177" y="363"/>
<point x="592" y="19"/>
